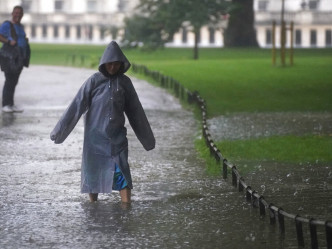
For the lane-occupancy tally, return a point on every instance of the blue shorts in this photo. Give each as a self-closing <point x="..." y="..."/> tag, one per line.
<point x="119" y="182"/>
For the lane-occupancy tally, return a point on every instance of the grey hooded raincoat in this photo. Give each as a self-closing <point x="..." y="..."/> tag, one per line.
<point x="104" y="99"/>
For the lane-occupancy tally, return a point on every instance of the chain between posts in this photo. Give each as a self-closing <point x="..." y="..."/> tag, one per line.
<point x="258" y="201"/>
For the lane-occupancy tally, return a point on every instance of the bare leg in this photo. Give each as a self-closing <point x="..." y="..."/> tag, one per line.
<point x="125" y="195"/>
<point x="93" y="197"/>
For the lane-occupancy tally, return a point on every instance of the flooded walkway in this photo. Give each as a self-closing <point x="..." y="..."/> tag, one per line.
<point x="175" y="204"/>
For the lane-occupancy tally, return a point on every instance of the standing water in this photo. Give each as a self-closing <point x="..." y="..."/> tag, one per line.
<point x="175" y="203"/>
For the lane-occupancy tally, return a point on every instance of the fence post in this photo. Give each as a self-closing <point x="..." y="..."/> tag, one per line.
<point x="248" y="195"/>
<point x="313" y="234"/>
<point x="224" y="168"/>
<point x="240" y="184"/>
<point x="272" y="215"/>
<point x="299" y="231"/>
<point x="234" y="178"/>
<point x="281" y="220"/>
<point x="328" y="230"/>
<point x="254" y="199"/>
<point x="261" y="206"/>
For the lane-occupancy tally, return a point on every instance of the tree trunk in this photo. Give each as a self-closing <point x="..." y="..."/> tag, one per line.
<point x="196" y="33"/>
<point x="240" y="31"/>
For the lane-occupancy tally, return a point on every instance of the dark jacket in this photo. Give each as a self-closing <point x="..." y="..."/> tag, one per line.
<point x="104" y="99"/>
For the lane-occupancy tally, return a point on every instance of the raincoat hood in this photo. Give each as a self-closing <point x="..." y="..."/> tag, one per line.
<point x="113" y="53"/>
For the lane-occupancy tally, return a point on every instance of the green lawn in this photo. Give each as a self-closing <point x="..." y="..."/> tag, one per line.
<point x="235" y="80"/>
<point x="231" y="80"/>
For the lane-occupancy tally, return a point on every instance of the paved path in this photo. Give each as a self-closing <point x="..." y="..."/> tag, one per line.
<point x="175" y="204"/>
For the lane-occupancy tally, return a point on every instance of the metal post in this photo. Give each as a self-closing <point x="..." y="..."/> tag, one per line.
<point x="313" y="234"/>
<point x="248" y="195"/>
<point x="281" y="220"/>
<point x="224" y="168"/>
<point x="328" y="230"/>
<point x="299" y="232"/>
<point x="261" y="206"/>
<point x="234" y="178"/>
<point x="240" y="184"/>
<point x="272" y="215"/>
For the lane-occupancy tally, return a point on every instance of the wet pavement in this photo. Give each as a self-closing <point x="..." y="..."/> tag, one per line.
<point x="175" y="203"/>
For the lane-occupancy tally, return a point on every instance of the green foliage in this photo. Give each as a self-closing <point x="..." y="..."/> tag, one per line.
<point x="212" y="167"/>
<point x="140" y="30"/>
<point x="162" y="19"/>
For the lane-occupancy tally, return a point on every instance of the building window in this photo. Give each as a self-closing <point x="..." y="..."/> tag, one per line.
<point x="92" y="6"/>
<point x="313" y="38"/>
<point x="102" y="33"/>
<point x="89" y="30"/>
<point x="33" y="30"/>
<point x="44" y="30"/>
<point x="268" y="37"/>
<point x="262" y="5"/>
<point x="59" y="5"/>
<point x="26" y="5"/>
<point x="55" y="31"/>
<point x="211" y="35"/>
<point x="313" y="4"/>
<point x="184" y="35"/>
<point x="199" y="37"/>
<point x="298" y="37"/>
<point x="78" y="32"/>
<point x="328" y="38"/>
<point x="122" y="5"/>
<point x="67" y="31"/>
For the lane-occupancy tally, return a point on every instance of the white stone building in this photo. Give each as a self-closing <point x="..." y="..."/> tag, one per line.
<point x="312" y="21"/>
<point x="99" y="21"/>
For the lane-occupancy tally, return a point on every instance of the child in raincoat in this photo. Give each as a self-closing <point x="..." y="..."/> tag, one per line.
<point x="103" y="99"/>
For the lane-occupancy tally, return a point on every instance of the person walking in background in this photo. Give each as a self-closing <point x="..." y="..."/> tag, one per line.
<point x="104" y="98"/>
<point x="13" y="37"/>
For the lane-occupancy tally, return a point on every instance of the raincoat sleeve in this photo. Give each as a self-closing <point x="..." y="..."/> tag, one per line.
<point x="137" y="117"/>
<point x="71" y="116"/>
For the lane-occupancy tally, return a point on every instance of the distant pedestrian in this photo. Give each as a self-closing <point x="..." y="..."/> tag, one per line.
<point x="104" y="98"/>
<point x="15" y="54"/>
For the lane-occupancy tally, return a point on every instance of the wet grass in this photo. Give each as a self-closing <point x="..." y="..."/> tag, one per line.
<point x="234" y="80"/>
<point x="231" y="80"/>
<point x="288" y="149"/>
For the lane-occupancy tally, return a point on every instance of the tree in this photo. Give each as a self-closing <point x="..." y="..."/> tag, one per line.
<point x="140" y="30"/>
<point x="166" y="17"/>
<point x="240" y="31"/>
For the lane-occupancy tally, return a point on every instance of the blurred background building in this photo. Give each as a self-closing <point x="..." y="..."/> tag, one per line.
<point x="99" y="21"/>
